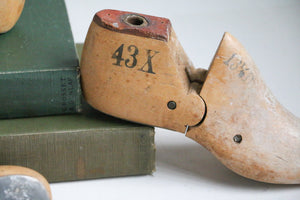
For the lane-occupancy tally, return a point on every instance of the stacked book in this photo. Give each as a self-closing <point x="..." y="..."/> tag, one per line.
<point x="45" y="125"/>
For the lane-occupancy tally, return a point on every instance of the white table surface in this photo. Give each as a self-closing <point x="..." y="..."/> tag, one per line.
<point x="270" y="31"/>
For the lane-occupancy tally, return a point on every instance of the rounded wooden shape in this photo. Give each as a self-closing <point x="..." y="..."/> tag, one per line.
<point x="8" y="170"/>
<point x="10" y="11"/>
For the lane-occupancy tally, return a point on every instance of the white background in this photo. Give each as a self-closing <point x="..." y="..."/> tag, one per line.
<point x="270" y="31"/>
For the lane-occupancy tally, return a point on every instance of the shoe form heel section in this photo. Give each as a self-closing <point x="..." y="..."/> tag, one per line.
<point x="138" y="72"/>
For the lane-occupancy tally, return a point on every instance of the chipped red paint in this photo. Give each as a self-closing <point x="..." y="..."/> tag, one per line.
<point x="156" y="28"/>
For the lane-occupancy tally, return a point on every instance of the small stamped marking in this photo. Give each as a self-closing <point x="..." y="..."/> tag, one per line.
<point x="66" y="92"/>
<point x="132" y="60"/>
<point x="236" y="63"/>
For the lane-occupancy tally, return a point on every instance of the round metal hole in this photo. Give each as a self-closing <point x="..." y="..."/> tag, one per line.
<point x="171" y="105"/>
<point x="237" y="138"/>
<point x="135" y="20"/>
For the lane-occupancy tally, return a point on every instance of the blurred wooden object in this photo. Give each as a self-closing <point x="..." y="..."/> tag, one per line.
<point x="19" y="183"/>
<point x="10" y="11"/>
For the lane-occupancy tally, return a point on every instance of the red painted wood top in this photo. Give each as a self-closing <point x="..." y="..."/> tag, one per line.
<point x="134" y="23"/>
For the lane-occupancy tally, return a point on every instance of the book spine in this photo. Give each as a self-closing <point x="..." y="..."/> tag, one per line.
<point x="85" y="154"/>
<point x="39" y="93"/>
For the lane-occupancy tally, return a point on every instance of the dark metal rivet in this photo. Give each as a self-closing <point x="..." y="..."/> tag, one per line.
<point x="237" y="138"/>
<point x="171" y="105"/>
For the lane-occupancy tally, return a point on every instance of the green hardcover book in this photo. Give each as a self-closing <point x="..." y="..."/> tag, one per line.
<point x="76" y="147"/>
<point x="38" y="63"/>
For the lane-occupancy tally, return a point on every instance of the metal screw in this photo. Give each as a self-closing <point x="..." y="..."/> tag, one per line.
<point x="171" y="105"/>
<point x="237" y="138"/>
